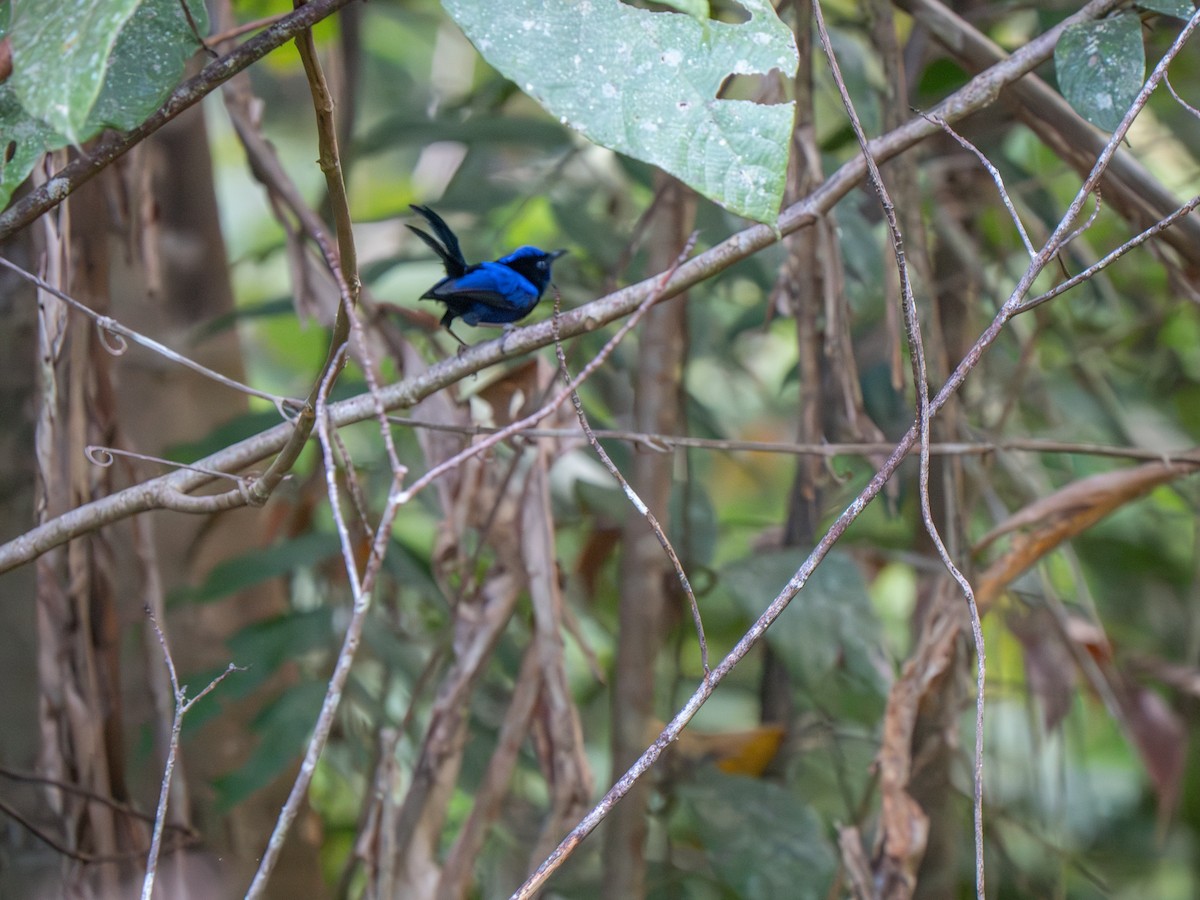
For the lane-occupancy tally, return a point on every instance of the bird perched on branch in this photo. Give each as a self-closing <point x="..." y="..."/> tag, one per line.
<point x="486" y="293"/>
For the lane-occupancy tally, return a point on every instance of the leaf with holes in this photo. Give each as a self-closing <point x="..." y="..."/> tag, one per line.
<point x="646" y="84"/>
<point x="1100" y="68"/>
<point x="80" y="67"/>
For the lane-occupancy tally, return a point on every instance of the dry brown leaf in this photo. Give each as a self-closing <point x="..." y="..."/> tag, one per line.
<point x="1160" y="738"/>
<point x="1182" y="678"/>
<point x="745" y="752"/>
<point x="1050" y="668"/>
<point x="903" y="825"/>
<point x="1062" y="515"/>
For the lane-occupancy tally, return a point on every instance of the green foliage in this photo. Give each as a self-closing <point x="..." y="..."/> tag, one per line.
<point x="152" y="48"/>
<point x="1180" y="9"/>
<point x="1100" y="67"/>
<point x="830" y="625"/>
<point x="646" y="84"/>
<point x="61" y="53"/>
<point x="1116" y="362"/>
<point x="761" y="841"/>
<point x="282" y="728"/>
<point x="81" y="67"/>
<point x="261" y="564"/>
<point x="517" y="175"/>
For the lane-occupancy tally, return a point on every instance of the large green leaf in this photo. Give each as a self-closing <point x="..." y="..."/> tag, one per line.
<point x="646" y="83"/>
<point x="1100" y="68"/>
<point x="61" y="51"/>
<point x="83" y="65"/>
<point x="1180" y="9"/>
<point x="146" y="64"/>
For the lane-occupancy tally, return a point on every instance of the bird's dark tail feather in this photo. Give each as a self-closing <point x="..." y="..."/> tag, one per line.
<point x="451" y="253"/>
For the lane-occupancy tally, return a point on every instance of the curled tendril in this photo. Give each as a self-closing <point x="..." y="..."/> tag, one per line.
<point x="111" y="339"/>
<point x="99" y="456"/>
<point x="288" y="409"/>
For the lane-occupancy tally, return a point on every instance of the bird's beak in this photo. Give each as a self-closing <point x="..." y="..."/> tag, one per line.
<point x="555" y="254"/>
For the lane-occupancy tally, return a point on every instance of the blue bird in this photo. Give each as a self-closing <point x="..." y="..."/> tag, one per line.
<point x="486" y="293"/>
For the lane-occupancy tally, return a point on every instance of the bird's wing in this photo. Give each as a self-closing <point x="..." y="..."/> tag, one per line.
<point x="491" y="284"/>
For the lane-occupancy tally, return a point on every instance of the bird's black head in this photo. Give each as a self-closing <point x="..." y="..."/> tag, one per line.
<point x="533" y="263"/>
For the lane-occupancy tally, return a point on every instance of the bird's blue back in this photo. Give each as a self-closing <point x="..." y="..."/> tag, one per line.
<point x="488" y="292"/>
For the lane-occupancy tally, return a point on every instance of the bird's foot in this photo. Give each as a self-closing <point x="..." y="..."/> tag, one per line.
<point x="462" y="345"/>
<point x="507" y="330"/>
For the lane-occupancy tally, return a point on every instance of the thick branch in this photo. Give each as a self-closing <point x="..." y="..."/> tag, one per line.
<point x="975" y="95"/>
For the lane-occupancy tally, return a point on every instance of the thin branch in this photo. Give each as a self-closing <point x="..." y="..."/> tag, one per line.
<point x="80" y="791"/>
<point x="1112" y="256"/>
<point x="187" y="13"/>
<point x="246" y="27"/>
<point x="106" y="325"/>
<point x="1088" y="223"/>
<point x="182" y="707"/>
<point x="59" y="846"/>
<point x="106" y="456"/>
<point x="921" y="385"/>
<point x="996" y="178"/>
<point x="630" y="493"/>
<point x="1191" y="109"/>
<point x="665" y="443"/>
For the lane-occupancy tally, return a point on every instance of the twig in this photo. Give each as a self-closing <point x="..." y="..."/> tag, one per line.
<point x="187" y="12"/>
<point x="1191" y="109"/>
<point x="665" y="443"/>
<point x="106" y="325"/>
<point x="630" y="493"/>
<point x="238" y="30"/>
<point x="182" y="706"/>
<point x="1112" y="257"/>
<point x="106" y="456"/>
<point x="995" y="173"/>
<point x="59" y="846"/>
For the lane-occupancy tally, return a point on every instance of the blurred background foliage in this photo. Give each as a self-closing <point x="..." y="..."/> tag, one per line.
<point x="1085" y="794"/>
<point x="1071" y="811"/>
